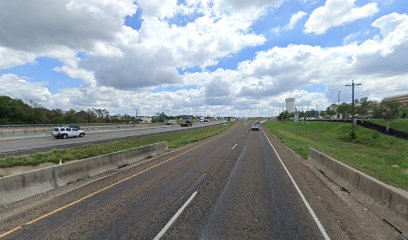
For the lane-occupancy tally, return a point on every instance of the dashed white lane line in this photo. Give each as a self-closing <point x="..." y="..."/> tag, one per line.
<point x="234" y="146"/>
<point x="317" y="221"/>
<point x="164" y="230"/>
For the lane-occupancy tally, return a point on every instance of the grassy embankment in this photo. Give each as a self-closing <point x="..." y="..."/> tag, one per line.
<point x="175" y="140"/>
<point x="379" y="155"/>
<point x="400" y="124"/>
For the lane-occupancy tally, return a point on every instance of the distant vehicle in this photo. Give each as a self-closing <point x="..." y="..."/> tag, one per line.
<point x="367" y="116"/>
<point x="188" y="123"/>
<point x="76" y="126"/>
<point x="255" y="127"/>
<point x="171" y="122"/>
<point x="67" y="132"/>
<point x="206" y="120"/>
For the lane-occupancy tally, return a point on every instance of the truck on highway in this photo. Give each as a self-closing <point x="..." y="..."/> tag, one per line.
<point x="187" y="123"/>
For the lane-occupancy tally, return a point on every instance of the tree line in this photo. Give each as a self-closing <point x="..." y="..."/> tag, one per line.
<point x="16" y="111"/>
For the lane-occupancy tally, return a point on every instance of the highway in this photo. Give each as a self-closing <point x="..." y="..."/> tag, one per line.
<point x="233" y="186"/>
<point x="30" y="144"/>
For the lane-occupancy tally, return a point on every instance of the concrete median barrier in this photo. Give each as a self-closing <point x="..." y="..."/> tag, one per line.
<point x="18" y="187"/>
<point x="388" y="202"/>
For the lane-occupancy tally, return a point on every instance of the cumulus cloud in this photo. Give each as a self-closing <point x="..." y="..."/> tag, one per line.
<point x="14" y="86"/>
<point x="10" y="58"/>
<point x="138" y="68"/>
<point x="282" y="72"/>
<point x="295" y="18"/>
<point x="35" y="25"/>
<point x="242" y="5"/>
<point x="59" y="29"/>
<point x="336" y="13"/>
<point x="387" y="50"/>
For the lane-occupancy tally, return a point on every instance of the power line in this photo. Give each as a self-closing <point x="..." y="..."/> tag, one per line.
<point x="392" y="72"/>
<point x="395" y="90"/>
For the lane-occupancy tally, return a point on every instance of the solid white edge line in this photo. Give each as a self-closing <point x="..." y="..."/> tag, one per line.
<point x="167" y="226"/>
<point x="317" y="221"/>
<point x="234" y="146"/>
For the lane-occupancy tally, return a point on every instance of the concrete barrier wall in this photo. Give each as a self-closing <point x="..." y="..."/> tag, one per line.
<point x="17" y="187"/>
<point x="388" y="202"/>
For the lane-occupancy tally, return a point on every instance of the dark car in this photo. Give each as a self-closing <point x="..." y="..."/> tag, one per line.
<point x="74" y="126"/>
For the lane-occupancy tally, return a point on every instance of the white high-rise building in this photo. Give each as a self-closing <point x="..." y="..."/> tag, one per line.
<point x="290" y="105"/>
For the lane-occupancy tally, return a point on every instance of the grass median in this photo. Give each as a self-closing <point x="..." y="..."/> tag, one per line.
<point x="400" y="124"/>
<point x="174" y="139"/>
<point x="379" y="155"/>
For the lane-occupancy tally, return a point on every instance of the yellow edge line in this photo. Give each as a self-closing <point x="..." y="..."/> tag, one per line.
<point x="102" y="190"/>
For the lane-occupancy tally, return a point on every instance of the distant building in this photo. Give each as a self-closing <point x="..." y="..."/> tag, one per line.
<point x="312" y="113"/>
<point x="186" y="117"/>
<point x="290" y="105"/>
<point x="146" y="119"/>
<point x="403" y="99"/>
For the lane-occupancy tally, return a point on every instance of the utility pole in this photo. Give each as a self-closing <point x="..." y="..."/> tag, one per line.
<point x="352" y="85"/>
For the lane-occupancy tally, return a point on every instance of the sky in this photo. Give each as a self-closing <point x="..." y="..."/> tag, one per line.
<point x="203" y="57"/>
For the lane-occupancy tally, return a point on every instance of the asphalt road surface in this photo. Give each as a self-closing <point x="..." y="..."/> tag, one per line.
<point x="29" y="144"/>
<point x="233" y="186"/>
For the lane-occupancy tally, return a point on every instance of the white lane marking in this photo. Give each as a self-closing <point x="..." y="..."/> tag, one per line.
<point x="317" y="221"/>
<point x="234" y="146"/>
<point x="164" y="230"/>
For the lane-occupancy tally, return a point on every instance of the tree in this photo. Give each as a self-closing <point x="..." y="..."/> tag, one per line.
<point x="364" y="106"/>
<point x="57" y="116"/>
<point x="160" y="117"/>
<point x="331" y="110"/>
<point x="70" y="116"/>
<point x="103" y="114"/>
<point x="391" y="110"/>
<point x="91" y="115"/>
<point x="283" y="116"/>
<point x="344" y="108"/>
<point x="404" y="111"/>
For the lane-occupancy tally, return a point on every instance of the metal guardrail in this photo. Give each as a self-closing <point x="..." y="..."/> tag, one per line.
<point x="62" y="124"/>
<point x="46" y="129"/>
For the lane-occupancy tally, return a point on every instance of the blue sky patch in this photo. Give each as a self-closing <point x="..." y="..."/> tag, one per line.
<point x="316" y="88"/>
<point x="42" y="71"/>
<point x="173" y="88"/>
<point x="135" y="21"/>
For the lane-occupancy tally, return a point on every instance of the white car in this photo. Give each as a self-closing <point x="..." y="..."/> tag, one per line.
<point x="255" y="127"/>
<point x="67" y="132"/>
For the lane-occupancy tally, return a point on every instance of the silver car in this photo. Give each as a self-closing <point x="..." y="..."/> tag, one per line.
<point x="255" y="127"/>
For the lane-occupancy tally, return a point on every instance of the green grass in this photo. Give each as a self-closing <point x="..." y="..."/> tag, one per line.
<point x="379" y="155"/>
<point x="400" y="124"/>
<point x="175" y="140"/>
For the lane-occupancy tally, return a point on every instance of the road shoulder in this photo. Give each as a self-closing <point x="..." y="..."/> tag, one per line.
<point x="342" y="216"/>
